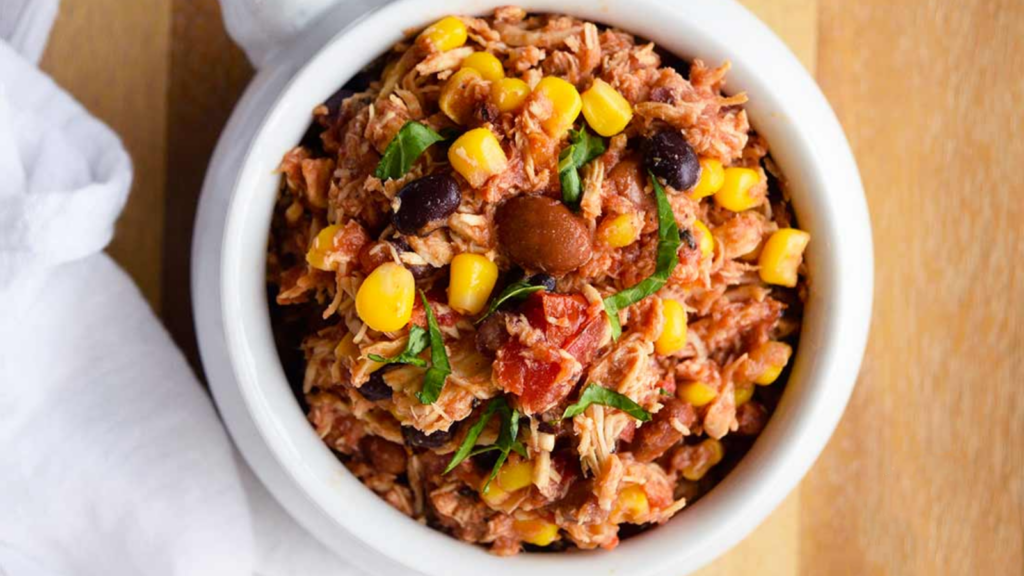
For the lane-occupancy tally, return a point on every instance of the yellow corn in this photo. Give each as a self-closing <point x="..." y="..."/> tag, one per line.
<point x="486" y="64"/>
<point x="631" y="505"/>
<point x="673" y="334"/>
<point x="455" y="100"/>
<point x="742" y="393"/>
<point x="697" y="393"/>
<point x="536" y="531"/>
<point x="508" y="94"/>
<point x="384" y="300"/>
<point x="494" y="495"/>
<point x="477" y="155"/>
<point x="781" y="256"/>
<point x="735" y="191"/>
<point x="774" y="349"/>
<point x="705" y="241"/>
<point x="566" y="102"/>
<point x="605" y="109"/>
<point x="445" y="34"/>
<point x="347" y="347"/>
<point x="516" y="476"/>
<point x="322" y="246"/>
<point x="712" y="176"/>
<point x="472" y="280"/>
<point x="713" y="453"/>
<point x="620" y="231"/>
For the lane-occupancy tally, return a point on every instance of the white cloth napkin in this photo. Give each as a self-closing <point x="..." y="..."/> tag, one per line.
<point x="112" y="459"/>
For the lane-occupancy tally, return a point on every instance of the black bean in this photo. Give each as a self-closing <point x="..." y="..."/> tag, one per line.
<point x="544" y="280"/>
<point x="418" y="439"/>
<point x="424" y="201"/>
<point x="419" y="271"/>
<point x="671" y="158"/>
<point x="486" y="460"/>
<point x="376" y="389"/>
<point x="687" y="237"/>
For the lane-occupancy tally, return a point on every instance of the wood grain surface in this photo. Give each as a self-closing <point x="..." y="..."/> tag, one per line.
<point x="925" y="474"/>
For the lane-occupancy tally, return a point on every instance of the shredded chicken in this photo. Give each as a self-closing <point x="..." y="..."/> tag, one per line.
<point x="566" y="481"/>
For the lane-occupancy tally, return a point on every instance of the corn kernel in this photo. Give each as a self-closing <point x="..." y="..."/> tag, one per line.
<point x="697" y="393"/>
<point x="631" y="505"/>
<point x="711" y="454"/>
<point x="384" y="300"/>
<point x="472" y="280"/>
<point x="742" y="394"/>
<point x="494" y="495"/>
<point x="712" y="176"/>
<point x="455" y="99"/>
<point x="776" y="351"/>
<point x="781" y="256"/>
<point x="516" y="476"/>
<point x="536" y="531"/>
<point x="445" y="34"/>
<point x="620" y="231"/>
<point x="735" y="191"/>
<point x="673" y="334"/>
<point x="706" y="241"/>
<point x="486" y="64"/>
<point x="508" y="94"/>
<point x="477" y="155"/>
<point x="347" y="347"/>
<point x="605" y="109"/>
<point x="566" y="102"/>
<point x="322" y="246"/>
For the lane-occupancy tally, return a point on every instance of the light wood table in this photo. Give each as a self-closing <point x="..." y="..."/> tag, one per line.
<point x="925" y="474"/>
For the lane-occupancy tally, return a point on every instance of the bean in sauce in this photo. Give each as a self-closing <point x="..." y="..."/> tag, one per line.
<point x="426" y="201"/>
<point x="376" y="389"/>
<point x="671" y="158"/>
<point x="541" y="234"/>
<point x="418" y="439"/>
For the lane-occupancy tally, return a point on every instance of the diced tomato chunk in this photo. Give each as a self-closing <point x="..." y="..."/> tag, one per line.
<point x="583" y="345"/>
<point x="559" y="315"/>
<point x="537" y="375"/>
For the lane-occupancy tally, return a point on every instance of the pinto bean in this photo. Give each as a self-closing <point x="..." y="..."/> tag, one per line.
<point x="541" y="234"/>
<point x="656" y="437"/>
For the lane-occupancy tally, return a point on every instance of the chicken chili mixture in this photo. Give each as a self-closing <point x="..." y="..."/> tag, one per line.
<point x="535" y="281"/>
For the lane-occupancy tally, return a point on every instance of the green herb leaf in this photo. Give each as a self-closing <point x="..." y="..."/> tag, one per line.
<point x="418" y="342"/>
<point x="411" y="141"/>
<point x="506" y="442"/>
<point x="583" y="147"/>
<point x="439" y="369"/>
<point x="665" y="262"/>
<point x="664" y="392"/>
<point x="467" y="448"/>
<point x="515" y="291"/>
<point x="595" y="394"/>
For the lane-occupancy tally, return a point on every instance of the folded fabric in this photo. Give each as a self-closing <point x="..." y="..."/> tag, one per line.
<point x="112" y="458"/>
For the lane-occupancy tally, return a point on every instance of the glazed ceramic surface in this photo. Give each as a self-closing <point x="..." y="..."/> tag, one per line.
<point x="265" y="419"/>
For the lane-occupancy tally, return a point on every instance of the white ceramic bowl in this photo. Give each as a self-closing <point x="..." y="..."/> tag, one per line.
<point x="265" y="420"/>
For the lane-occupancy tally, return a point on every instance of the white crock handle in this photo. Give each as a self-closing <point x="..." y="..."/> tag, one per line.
<point x="261" y="27"/>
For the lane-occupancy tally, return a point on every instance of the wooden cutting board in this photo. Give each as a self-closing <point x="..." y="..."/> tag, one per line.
<point x="925" y="474"/>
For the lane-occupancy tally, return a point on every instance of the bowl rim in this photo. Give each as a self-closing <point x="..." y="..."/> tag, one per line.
<point x="736" y="505"/>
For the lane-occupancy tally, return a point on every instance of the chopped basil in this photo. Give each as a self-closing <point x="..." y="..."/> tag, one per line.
<point x="439" y="369"/>
<point x="404" y="149"/>
<point x="583" y="148"/>
<point x="506" y="442"/>
<point x="664" y="392"/>
<point x="515" y="291"/>
<point x="418" y="342"/>
<point x="595" y="394"/>
<point x="666" y="261"/>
